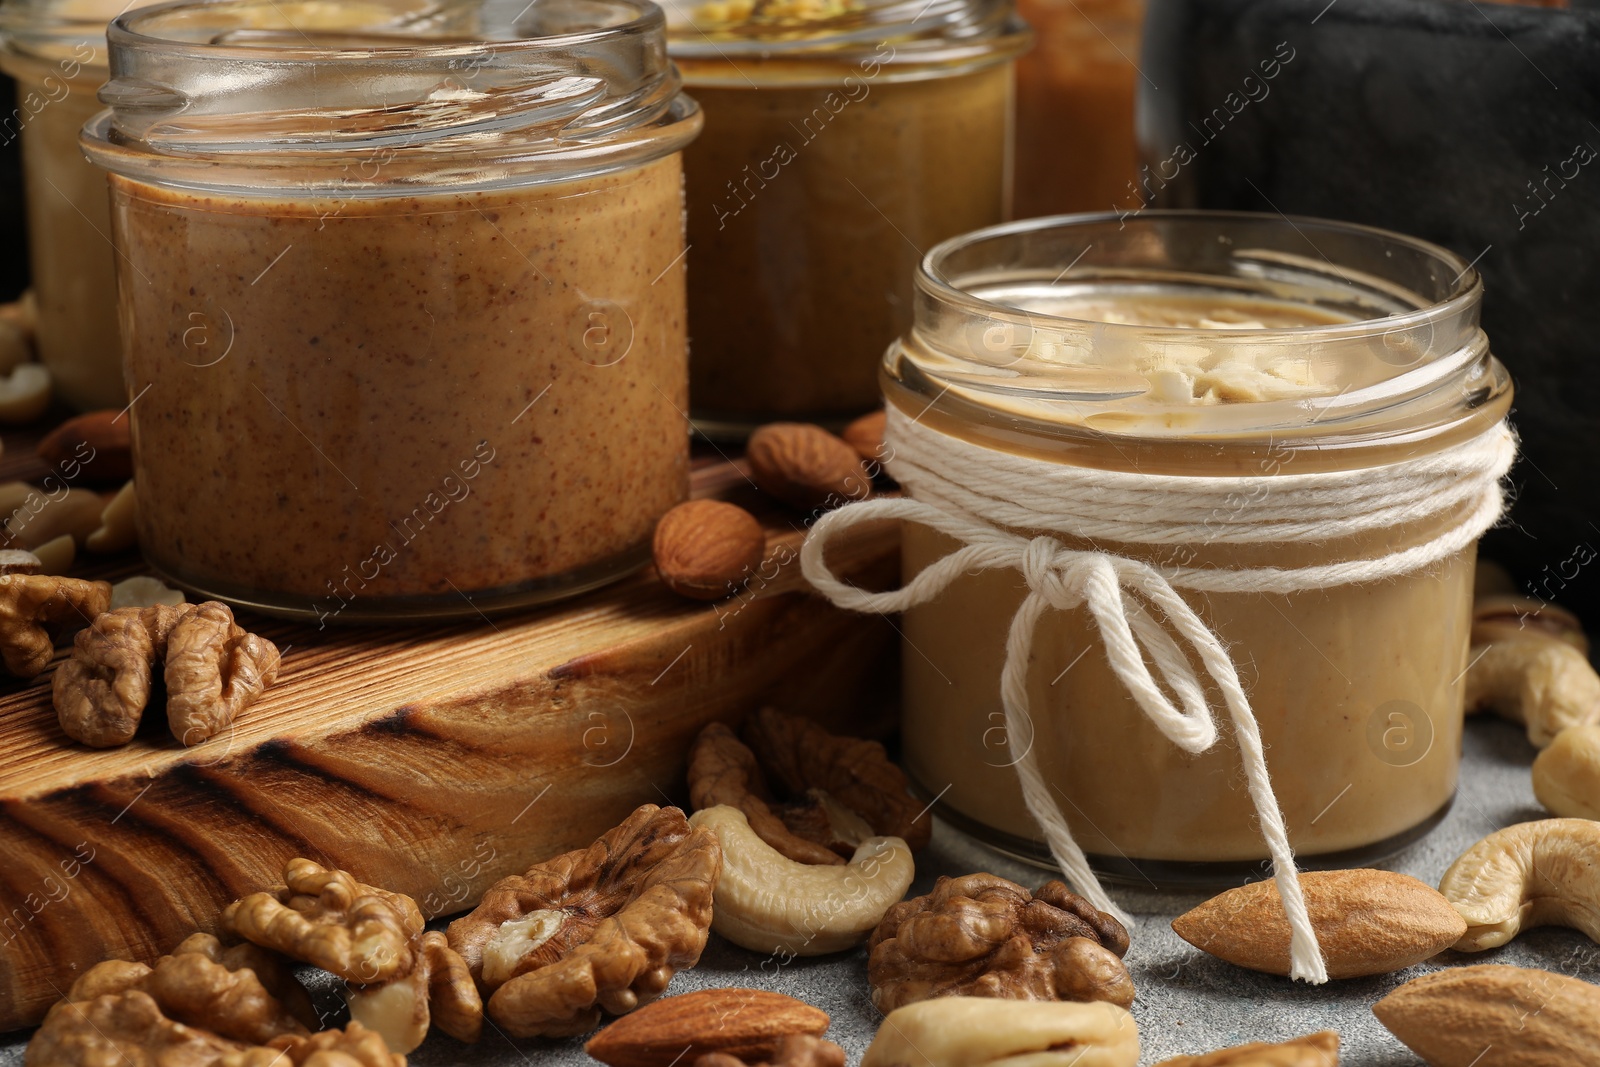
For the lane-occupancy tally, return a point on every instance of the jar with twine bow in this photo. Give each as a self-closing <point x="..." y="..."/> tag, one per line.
<point x="1190" y="511"/>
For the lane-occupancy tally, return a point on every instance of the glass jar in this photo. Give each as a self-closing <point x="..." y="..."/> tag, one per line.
<point x="1076" y="148"/>
<point x="1212" y="346"/>
<point x="56" y="51"/>
<point x="402" y="293"/>
<point x="843" y="139"/>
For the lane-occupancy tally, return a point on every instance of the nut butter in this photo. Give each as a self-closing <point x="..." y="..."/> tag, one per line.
<point x="56" y="51"/>
<point x="403" y="298"/>
<point x="843" y="138"/>
<point x="1210" y="346"/>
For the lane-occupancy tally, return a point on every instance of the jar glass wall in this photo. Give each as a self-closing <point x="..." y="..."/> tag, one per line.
<point x="1213" y="345"/>
<point x="56" y="51"/>
<point x="403" y="298"/>
<point x="842" y="141"/>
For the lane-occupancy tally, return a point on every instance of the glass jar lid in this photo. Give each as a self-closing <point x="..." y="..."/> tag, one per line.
<point x="367" y="97"/>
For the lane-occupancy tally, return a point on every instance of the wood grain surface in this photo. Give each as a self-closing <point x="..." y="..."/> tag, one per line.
<point x="430" y="761"/>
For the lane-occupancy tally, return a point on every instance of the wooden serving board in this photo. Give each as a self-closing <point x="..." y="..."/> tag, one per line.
<point x="430" y="761"/>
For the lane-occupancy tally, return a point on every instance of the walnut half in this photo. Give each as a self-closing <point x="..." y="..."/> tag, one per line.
<point x="981" y="935"/>
<point x="604" y="927"/>
<point x="813" y="796"/>
<point x="213" y="670"/>
<point x="326" y="918"/>
<point x="199" y="1007"/>
<point x="36" y="607"/>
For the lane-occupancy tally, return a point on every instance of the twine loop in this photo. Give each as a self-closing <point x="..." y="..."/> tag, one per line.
<point x="979" y="496"/>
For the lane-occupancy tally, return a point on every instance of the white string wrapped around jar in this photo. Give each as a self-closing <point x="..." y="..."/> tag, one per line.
<point x="978" y="495"/>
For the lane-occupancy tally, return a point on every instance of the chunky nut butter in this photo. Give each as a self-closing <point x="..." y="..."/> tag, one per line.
<point x="825" y="170"/>
<point x="1357" y="688"/>
<point x="443" y="393"/>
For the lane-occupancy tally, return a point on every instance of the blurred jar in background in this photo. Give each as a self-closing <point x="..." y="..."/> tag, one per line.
<point x="843" y="139"/>
<point x="56" y="51"/>
<point x="1076" y="149"/>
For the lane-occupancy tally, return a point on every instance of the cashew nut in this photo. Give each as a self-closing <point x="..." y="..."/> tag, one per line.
<point x="1540" y="681"/>
<point x="44" y="518"/>
<point x="1544" y="873"/>
<point x="769" y="903"/>
<point x="118" y="530"/>
<point x="980" y="1031"/>
<point x="24" y="393"/>
<point x="143" y="591"/>
<point x="1566" y="776"/>
<point x="14" y="347"/>
<point x="1503" y="617"/>
<point x="56" y="555"/>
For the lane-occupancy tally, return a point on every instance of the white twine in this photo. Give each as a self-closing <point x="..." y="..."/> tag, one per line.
<point x="978" y="495"/>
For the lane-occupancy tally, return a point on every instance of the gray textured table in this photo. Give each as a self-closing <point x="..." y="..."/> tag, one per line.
<point x="1187" y="1002"/>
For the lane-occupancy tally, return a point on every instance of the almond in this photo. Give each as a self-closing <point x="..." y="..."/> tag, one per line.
<point x="865" y="435"/>
<point x="702" y="548"/>
<point x="805" y="466"/>
<point x="100" y="442"/>
<point x="1367" y="922"/>
<point x="1320" y="1049"/>
<point x="1490" y="1014"/>
<point x="747" y="1023"/>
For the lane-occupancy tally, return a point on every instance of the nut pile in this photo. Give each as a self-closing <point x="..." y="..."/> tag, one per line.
<point x="800" y="843"/>
<point x="707" y="549"/>
<point x="236" y="1003"/>
<point x="25" y="385"/>
<point x="817" y="832"/>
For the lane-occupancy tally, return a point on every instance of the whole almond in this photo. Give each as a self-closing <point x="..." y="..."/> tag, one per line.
<point x="747" y="1023"/>
<point x="100" y="442"/>
<point x="865" y="435"/>
<point x="1367" y="922"/>
<point x="702" y="548"/>
<point x="1496" y="1016"/>
<point x="1320" y="1049"/>
<point x="805" y="466"/>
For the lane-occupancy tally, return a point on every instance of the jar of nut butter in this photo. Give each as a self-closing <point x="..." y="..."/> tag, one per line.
<point x="403" y="297"/>
<point x="843" y="139"/>
<point x="1190" y="515"/>
<point x="56" y="51"/>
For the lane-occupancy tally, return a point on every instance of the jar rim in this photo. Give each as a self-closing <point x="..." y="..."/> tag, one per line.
<point x="1389" y="332"/>
<point x="1467" y="289"/>
<point x="41" y="30"/>
<point x="369" y="97"/>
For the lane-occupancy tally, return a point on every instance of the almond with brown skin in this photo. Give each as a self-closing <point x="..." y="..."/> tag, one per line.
<point x="805" y="466"/>
<point x="1495" y="1016"/>
<point x="747" y="1023"/>
<point x="1367" y="922"/>
<point x="704" y="548"/>
<point x="100" y="442"/>
<point x="865" y="435"/>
